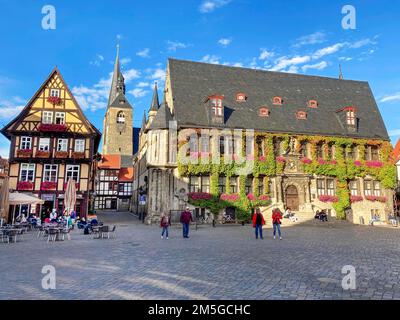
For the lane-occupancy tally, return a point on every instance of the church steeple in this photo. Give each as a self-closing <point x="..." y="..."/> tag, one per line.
<point x="155" y="104"/>
<point x="340" y="72"/>
<point x="118" y="81"/>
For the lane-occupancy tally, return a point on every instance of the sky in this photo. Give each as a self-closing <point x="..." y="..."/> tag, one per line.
<point x="305" y="37"/>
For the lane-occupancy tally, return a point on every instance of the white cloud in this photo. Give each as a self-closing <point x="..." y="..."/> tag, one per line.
<point x="143" y="53"/>
<point x="138" y="92"/>
<point x="130" y="74"/>
<point x="97" y="61"/>
<point x="315" y="38"/>
<point x="265" y="54"/>
<point x="7" y="113"/>
<point x="285" y="62"/>
<point x="224" y="42"/>
<point x="158" y="75"/>
<point x="125" y="61"/>
<point x="143" y="84"/>
<point x="172" y="46"/>
<point x="319" y="66"/>
<point x="362" y="43"/>
<point x="210" y="5"/>
<point x="345" y="58"/>
<point x="5" y="152"/>
<point x="391" y="98"/>
<point x="394" y="132"/>
<point x="328" y="50"/>
<point x="211" y="59"/>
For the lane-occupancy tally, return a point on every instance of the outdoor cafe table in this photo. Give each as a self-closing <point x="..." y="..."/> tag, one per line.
<point x="11" y="233"/>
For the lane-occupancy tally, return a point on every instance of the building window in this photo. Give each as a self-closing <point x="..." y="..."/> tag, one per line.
<point x="205" y="184"/>
<point x="62" y="145"/>
<point x="319" y="150"/>
<point x="263" y="112"/>
<point x="304" y="149"/>
<point x="79" y="145"/>
<point x="44" y="144"/>
<point x="221" y="184"/>
<point x="231" y="145"/>
<point x="27" y="172"/>
<point x="26" y="143"/>
<point x="222" y="145"/>
<point x="72" y="173"/>
<point x="249" y="185"/>
<point x="55" y="93"/>
<point x="193" y="143"/>
<point x="326" y="187"/>
<point x="47" y="117"/>
<point x="233" y="184"/>
<point x="312" y="104"/>
<point x="372" y="153"/>
<point x="260" y="148"/>
<point x="205" y="143"/>
<point x="241" y="97"/>
<point x="260" y="185"/>
<point x="377" y="188"/>
<point x="120" y="117"/>
<point x="278" y="146"/>
<point x="50" y="173"/>
<point x="301" y="115"/>
<point x="277" y="101"/>
<point x="216" y="106"/>
<point x="351" y="117"/>
<point x="368" y="187"/>
<point x="60" y="118"/>
<point x="354" y="188"/>
<point x="350" y="153"/>
<point x="194" y="184"/>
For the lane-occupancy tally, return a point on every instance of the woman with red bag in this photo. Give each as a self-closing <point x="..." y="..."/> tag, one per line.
<point x="276" y="222"/>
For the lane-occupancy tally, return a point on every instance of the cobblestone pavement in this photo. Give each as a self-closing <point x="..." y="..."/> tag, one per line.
<point x="225" y="262"/>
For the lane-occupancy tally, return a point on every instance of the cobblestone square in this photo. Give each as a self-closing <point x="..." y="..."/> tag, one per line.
<point x="225" y="262"/>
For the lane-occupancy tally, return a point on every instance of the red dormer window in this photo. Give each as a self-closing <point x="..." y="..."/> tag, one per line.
<point x="313" y="104"/>
<point x="216" y="105"/>
<point x="301" y="115"/>
<point x="263" y="112"/>
<point x="350" y="116"/>
<point x="241" y="97"/>
<point x="277" y="101"/>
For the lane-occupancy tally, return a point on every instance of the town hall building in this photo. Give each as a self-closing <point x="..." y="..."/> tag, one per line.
<point x="227" y="139"/>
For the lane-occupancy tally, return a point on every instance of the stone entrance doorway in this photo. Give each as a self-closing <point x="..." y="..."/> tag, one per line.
<point x="292" y="198"/>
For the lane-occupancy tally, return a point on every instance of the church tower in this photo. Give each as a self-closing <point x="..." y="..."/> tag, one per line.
<point x="117" y="125"/>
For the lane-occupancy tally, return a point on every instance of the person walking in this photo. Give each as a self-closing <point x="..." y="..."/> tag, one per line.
<point x="276" y="222"/>
<point x="165" y="222"/>
<point x="258" y="222"/>
<point x="186" y="218"/>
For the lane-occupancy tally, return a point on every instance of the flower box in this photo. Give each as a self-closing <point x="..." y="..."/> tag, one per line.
<point x="251" y="197"/>
<point x="374" y="164"/>
<point x="25" y="185"/>
<point x="264" y="197"/>
<point x="262" y="158"/>
<point x="78" y="155"/>
<point x="230" y="197"/>
<point x="24" y="153"/>
<point x="327" y="198"/>
<point x="61" y="154"/>
<point x="200" y="196"/>
<point x="54" y="100"/>
<point x="194" y="155"/>
<point x="48" y="185"/>
<point x="357" y="163"/>
<point x="42" y="154"/>
<point x="306" y="160"/>
<point x="376" y="198"/>
<point x="280" y="159"/>
<point x="49" y="127"/>
<point x="356" y="199"/>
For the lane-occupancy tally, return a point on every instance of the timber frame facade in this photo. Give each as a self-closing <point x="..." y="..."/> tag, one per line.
<point x="51" y="142"/>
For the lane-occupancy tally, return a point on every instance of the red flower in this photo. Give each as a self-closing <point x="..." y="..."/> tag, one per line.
<point x="327" y="198"/>
<point x="25" y="185"/>
<point x="376" y="198"/>
<point x="251" y="197"/>
<point x="48" y="185"/>
<point x="280" y="159"/>
<point x="200" y="196"/>
<point x="306" y="160"/>
<point x="356" y="199"/>
<point x="229" y="197"/>
<point x="374" y="164"/>
<point x="49" y="127"/>
<point x="357" y="163"/>
<point x="54" y="100"/>
<point x="264" y="197"/>
<point x="261" y="158"/>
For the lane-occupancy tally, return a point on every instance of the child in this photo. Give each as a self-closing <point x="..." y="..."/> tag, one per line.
<point x="165" y="222"/>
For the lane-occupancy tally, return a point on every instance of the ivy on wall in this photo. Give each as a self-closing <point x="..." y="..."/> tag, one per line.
<point x="334" y="164"/>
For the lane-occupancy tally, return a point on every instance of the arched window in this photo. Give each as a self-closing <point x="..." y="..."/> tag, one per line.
<point x="120" y="117"/>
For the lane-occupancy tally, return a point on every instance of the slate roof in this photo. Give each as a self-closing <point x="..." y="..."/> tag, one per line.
<point x="193" y="82"/>
<point x="120" y="102"/>
<point x="162" y="118"/>
<point x="155" y="104"/>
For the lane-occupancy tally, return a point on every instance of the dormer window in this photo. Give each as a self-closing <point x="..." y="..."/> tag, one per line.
<point x="216" y="105"/>
<point x="241" y="97"/>
<point x="351" y="116"/>
<point x="55" y="93"/>
<point x="277" y="101"/>
<point x="120" y="117"/>
<point x="301" y="115"/>
<point x="313" y="104"/>
<point x="263" y="112"/>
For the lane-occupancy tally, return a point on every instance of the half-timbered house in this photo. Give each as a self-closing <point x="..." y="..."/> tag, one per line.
<point x="51" y="142"/>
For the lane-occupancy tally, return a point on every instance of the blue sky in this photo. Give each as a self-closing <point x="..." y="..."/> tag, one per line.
<point x="291" y="36"/>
